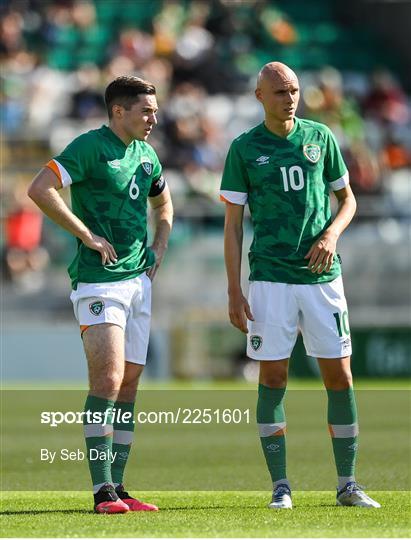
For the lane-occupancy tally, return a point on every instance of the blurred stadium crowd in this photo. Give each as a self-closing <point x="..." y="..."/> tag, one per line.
<point x="57" y="56"/>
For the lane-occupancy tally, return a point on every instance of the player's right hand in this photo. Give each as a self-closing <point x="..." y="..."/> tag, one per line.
<point x="239" y="311"/>
<point x="100" y="244"/>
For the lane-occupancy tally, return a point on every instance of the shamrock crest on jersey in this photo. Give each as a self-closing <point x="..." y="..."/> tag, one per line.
<point x="147" y="165"/>
<point x="312" y="152"/>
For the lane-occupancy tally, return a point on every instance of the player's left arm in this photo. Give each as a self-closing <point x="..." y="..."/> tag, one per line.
<point x="321" y="253"/>
<point x="162" y="211"/>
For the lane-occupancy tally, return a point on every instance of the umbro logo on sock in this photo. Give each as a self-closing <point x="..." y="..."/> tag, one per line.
<point x="273" y="447"/>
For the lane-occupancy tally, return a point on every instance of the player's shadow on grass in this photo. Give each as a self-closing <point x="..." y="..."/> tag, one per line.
<point x="35" y="512"/>
<point x="222" y="507"/>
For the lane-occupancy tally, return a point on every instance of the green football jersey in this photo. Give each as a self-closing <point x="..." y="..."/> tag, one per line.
<point x="286" y="182"/>
<point x="109" y="184"/>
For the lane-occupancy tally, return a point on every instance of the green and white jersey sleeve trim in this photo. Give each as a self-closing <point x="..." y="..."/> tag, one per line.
<point x="234" y="197"/>
<point x="340" y="183"/>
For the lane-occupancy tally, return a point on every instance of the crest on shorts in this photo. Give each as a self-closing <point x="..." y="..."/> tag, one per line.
<point x="256" y="342"/>
<point x="147" y="165"/>
<point x="97" y="307"/>
<point x="312" y="152"/>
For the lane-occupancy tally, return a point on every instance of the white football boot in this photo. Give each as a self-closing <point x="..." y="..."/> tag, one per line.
<point x="281" y="497"/>
<point x="352" y="495"/>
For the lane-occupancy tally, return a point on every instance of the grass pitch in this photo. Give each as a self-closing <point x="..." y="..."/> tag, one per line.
<point x="206" y="456"/>
<point x="204" y="514"/>
<point x="183" y="459"/>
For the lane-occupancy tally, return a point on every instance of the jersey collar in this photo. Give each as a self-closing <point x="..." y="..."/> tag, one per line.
<point x="111" y="135"/>
<point x="295" y="127"/>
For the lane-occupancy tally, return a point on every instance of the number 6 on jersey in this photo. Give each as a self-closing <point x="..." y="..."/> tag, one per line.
<point x="134" y="190"/>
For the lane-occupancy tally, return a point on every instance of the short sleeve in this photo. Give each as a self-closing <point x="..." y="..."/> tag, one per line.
<point x="76" y="161"/>
<point x="234" y="184"/>
<point x="157" y="169"/>
<point x="335" y="170"/>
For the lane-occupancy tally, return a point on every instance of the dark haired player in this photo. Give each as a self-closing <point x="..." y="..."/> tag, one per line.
<point x="112" y="173"/>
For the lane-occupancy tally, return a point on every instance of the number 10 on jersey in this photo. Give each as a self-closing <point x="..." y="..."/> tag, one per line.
<point x="292" y="178"/>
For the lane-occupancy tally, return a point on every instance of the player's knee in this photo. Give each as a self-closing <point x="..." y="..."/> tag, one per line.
<point x="107" y="386"/>
<point x="340" y="381"/>
<point x="129" y="384"/>
<point x="274" y="380"/>
<point x="132" y="374"/>
<point x="129" y="387"/>
<point x="275" y="383"/>
<point x="274" y="374"/>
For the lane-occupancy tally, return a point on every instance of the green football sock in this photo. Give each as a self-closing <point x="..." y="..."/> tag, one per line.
<point x="99" y="439"/>
<point x="272" y="425"/>
<point x="343" y="426"/>
<point x="122" y="439"/>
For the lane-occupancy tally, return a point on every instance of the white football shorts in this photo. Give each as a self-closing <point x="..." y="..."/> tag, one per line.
<point x="280" y="310"/>
<point x="124" y="303"/>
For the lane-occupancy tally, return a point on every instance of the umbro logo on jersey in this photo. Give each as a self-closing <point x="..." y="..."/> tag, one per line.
<point x="263" y="160"/>
<point x="312" y="152"/>
<point x="115" y="164"/>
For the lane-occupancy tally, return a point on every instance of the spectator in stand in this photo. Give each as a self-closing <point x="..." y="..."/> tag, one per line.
<point x="395" y="155"/>
<point x="386" y="101"/>
<point x="58" y="55"/>
<point x="328" y="104"/>
<point x="24" y="256"/>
